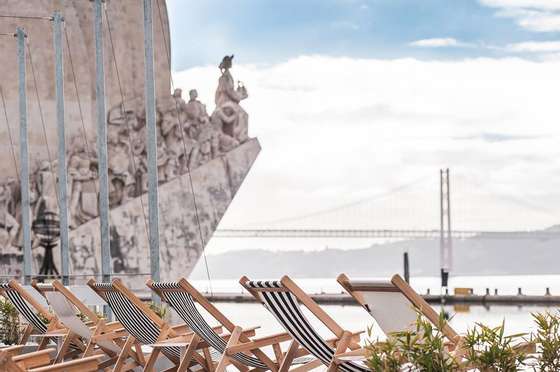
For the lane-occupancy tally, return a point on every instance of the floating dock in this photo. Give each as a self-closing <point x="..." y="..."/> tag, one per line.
<point x="344" y="299"/>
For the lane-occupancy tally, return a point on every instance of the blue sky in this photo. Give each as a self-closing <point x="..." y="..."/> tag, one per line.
<point x="267" y="31"/>
<point x="352" y="98"/>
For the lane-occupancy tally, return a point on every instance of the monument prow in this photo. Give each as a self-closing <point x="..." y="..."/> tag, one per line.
<point x="202" y="159"/>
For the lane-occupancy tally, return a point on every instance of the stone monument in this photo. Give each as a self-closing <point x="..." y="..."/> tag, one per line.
<point x="214" y="151"/>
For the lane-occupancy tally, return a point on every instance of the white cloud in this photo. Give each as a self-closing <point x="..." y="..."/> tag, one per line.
<point x="336" y="130"/>
<point x="534" y="15"/>
<point x="535" y="47"/>
<point x="438" y="43"/>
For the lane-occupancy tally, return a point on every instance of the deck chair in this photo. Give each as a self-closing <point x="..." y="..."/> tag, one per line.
<point x="145" y="327"/>
<point x="39" y="361"/>
<point x="101" y="338"/>
<point x="282" y="298"/>
<point x="239" y="350"/>
<point x="35" y="314"/>
<point x="394" y="304"/>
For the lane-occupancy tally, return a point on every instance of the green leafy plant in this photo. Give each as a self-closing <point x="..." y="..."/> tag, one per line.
<point x="420" y="349"/>
<point x="490" y="350"/>
<point x="425" y="346"/>
<point x="384" y="356"/>
<point x="9" y="323"/>
<point x="547" y="338"/>
<point x="161" y="310"/>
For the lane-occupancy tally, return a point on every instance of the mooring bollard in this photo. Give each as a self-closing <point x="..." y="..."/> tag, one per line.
<point x="547" y="292"/>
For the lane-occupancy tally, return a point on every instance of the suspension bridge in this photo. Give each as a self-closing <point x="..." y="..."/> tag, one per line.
<point x="420" y="209"/>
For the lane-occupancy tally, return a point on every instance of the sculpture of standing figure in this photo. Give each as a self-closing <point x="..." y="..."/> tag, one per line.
<point x="229" y="116"/>
<point x="8" y="225"/>
<point x="83" y="178"/>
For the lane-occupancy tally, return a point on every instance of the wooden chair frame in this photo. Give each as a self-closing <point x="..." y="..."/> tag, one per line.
<point x="100" y="329"/>
<point x="240" y="341"/>
<point x="55" y="329"/>
<point x="401" y="286"/>
<point x="169" y="336"/>
<point x="40" y="361"/>
<point x="343" y="341"/>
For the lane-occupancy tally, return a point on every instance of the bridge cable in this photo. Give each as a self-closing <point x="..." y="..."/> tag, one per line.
<point x="168" y="56"/>
<point x="375" y="197"/>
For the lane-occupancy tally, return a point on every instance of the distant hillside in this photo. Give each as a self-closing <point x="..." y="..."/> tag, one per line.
<point x="471" y="257"/>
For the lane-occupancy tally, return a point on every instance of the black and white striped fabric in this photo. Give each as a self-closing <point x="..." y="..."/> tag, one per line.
<point x="286" y="309"/>
<point x="183" y="303"/>
<point x="24" y="308"/>
<point x="135" y="321"/>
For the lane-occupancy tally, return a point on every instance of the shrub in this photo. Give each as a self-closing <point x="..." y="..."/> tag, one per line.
<point x="420" y="349"/>
<point x="161" y="310"/>
<point x="548" y="340"/>
<point x="9" y="323"/>
<point x="490" y="350"/>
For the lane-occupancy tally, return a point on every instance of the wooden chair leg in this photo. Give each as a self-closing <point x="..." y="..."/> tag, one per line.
<point x="64" y="347"/>
<point x="289" y="357"/>
<point x="25" y="335"/>
<point x="187" y="358"/>
<point x="208" y="359"/>
<point x="43" y="344"/>
<point x="149" y="367"/>
<point x="233" y="339"/>
<point x="340" y="348"/>
<point x="124" y="354"/>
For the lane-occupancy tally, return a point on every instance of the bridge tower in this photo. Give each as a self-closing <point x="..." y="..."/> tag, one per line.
<point x="446" y="238"/>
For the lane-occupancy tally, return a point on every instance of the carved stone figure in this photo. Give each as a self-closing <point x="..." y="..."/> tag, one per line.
<point x="83" y="180"/>
<point x="229" y="116"/>
<point x="45" y="182"/>
<point x="8" y="224"/>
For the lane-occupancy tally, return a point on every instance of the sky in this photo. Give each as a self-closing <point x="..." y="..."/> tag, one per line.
<point x="358" y="103"/>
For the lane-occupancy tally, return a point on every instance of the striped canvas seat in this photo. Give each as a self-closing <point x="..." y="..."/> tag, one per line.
<point x="184" y="304"/>
<point x="134" y="320"/>
<point x="286" y="309"/>
<point x="24" y="308"/>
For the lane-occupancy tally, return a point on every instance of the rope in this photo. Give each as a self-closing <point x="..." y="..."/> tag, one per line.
<point x="134" y="168"/>
<point x="35" y="85"/>
<point x="12" y="147"/>
<point x="195" y="205"/>
<point x="75" y="81"/>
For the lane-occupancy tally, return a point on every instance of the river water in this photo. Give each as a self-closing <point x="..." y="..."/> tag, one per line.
<point x="517" y="318"/>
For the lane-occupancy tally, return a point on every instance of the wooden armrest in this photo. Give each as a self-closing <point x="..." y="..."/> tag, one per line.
<point x="258" y="343"/>
<point x="89" y="364"/>
<point x="50" y="334"/>
<point x="169" y="344"/>
<point x="354" y="355"/>
<point x="111" y="335"/>
<point x="34" y="359"/>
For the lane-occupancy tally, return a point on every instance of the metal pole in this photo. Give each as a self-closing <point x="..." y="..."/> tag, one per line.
<point x="449" y="237"/>
<point x="406" y="268"/>
<point x="102" y="144"/>
<point x="441" y="226"/>
<point x="24" y="157"/>
<point x="152" y="142"/>
<point x="62" y="175"/>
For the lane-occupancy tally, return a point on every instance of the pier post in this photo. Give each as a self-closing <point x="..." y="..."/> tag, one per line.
<point x="153" y="208"/>
<point x="62" y="174"/>
<point x="24" y="157"/>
